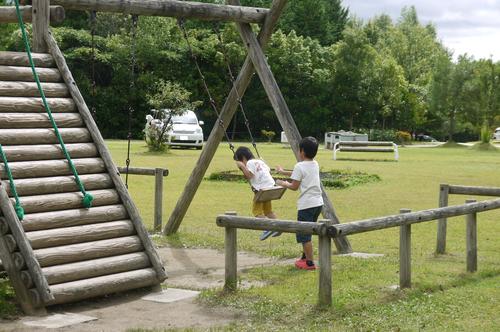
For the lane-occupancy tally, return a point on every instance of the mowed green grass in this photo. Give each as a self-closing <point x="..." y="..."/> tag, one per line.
<point x="444" y="297"/>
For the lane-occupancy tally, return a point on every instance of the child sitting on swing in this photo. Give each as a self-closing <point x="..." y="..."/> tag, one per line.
<point x="259" y="175"/>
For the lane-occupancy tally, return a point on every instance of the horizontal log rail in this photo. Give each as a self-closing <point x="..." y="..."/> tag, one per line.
<point x="171" y="8"/>
<point x="365" y="146"/>
<point x="159" y="174"/>
<point x="8" y="14"/>
<point x="445" y="190"/>
<point x="284" y="226"/>
<point x="373" y="224"/>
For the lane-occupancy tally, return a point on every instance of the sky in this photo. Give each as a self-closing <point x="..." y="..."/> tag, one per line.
<point x="464" y="26"/>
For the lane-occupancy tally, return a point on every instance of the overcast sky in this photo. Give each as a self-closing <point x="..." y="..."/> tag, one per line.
<point x="464" y="26"/>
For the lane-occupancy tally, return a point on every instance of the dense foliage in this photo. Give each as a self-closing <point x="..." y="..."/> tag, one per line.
<point x="336" y="72"/>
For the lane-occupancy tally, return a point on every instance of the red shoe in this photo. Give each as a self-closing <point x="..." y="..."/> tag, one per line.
<point x="301" y="264"/>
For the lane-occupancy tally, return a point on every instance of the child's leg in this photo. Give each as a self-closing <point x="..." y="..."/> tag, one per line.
<point x="308" y="250"/>
<point x="268" y="210"/>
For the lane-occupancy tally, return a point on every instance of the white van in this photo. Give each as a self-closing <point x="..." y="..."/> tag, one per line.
<point x="186" y="131"/>
<point x="496" y="134"/>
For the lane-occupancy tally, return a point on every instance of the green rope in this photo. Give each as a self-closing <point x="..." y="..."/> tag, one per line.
<point x="87" y="198"/>
<point x="19" y="209"/>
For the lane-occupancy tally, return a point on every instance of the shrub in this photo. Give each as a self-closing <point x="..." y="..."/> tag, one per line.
<point x="269" y="134"/>
<point x="485" y="133"/>
<point x="403" y="137"/>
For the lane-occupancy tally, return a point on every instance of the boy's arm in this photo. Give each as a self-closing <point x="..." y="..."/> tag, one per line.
<point x="248" y="175"/>
<point x="294" y="185"/>
<point x="282" y="171"/>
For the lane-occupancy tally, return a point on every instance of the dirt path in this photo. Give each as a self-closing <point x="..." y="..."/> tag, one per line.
<point x="194" y="269"/>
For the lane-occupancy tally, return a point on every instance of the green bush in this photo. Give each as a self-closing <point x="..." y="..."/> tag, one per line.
<point x="269" y="134"/>
<point x="403" y="137"/>
<point x="485" y="133"/>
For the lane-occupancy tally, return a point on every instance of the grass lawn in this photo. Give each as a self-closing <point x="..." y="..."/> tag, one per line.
<point x="444" y="297"/>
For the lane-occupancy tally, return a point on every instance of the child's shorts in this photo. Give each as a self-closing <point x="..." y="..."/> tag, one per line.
<point x="262" y="208"/>
<point x="310" y="215"/>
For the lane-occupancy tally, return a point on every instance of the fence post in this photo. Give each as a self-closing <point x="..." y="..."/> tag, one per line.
<point x="405" y="254"/>
<point x="231" y="257"/>
<point x="444" y="191"/>
<point x="158" y="199"/>
<point x="325" y="270"/>
<point x="471" y="238"/>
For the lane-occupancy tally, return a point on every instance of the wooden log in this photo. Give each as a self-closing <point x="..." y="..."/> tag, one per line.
<point x="471" y="239"/>
<point x="285" y="226"/>
<point x="231" y="257"/>
<point x="2" y="268"/>
<point x="43" y="136"/>
<point x="60" y="184"/>
<point x="96" y="267"/>
<point x="122" y="191"/>
<point x="8" y="14"/>
<point x="89" y="250"/>
<point x="24" y="74"/>
<point x="365" y="143"/>
<point x="171" y="8"/>
<point x="21" y="59"/>
<point x="29" y="89"/>
<point x="83" y="289"/>
<point x="228" y="110"/>
<point x="35" y="105"/>
<point x="11" y="242"/>
<point x="325" y="271"/>
<point x="27" y="280"/>
<point x="45" y="168"/>
<point x="367" y="149"/>
<point x="4" y="227"/>
<point x="476" y="191"/>
<point x="444" y="191"/>
<point x="79" y="234"/>
<point x="405" y="254"/>
<point x="158" y="217"/>
<point x="143" y="171"/>
<point x="76" y="217"/>
<point x="284" y="116"/>
<point x="40" y="19"/>
<point x="411" y="218"/>
<point x="18" y="260"/>
<point x="24" y="247"/>
<point x="57" y="202"/>
<point x="46" y="152"/>
<point x="38" y="120"/>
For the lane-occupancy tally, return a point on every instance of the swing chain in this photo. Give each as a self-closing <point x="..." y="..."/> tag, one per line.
<point x="233" y="83"/>
<point x="133" y="66"/>
<point x="93" y="29"/>
<point x="213" y="104"/>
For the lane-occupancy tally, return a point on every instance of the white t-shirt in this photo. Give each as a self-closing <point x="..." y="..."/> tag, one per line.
<point x="307" y="172"/>
<point x="261" y="174"/>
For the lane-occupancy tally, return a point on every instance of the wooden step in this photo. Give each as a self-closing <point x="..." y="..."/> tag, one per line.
<point x="28" y="169"/>
<point x="21" y="59"/>
<point x="74" y="217"/>
<point x="58" y="202"/>
<point x="78" y="234"/>
<point x="60" y="184"/>
<point x="88" y="250"/>
<point x="24" y="74"/>
<point x="29" y="89"/>
<point x="99" y="286"/>
<point x="45" y="152"/>
<point x="35" y="105"/>
<point x="39" y="120"/>
<point x="43" y="136"/>
<point x="95" y="268"/>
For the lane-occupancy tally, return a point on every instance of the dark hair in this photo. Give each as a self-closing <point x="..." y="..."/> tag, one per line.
<point x="243" y="152"/>
<point x="310" y="146"/>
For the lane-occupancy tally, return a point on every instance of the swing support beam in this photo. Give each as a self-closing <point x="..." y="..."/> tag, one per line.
<point x="255" y="62"/>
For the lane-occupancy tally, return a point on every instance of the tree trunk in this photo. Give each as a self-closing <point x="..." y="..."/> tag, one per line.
<point x="452" y="126"/>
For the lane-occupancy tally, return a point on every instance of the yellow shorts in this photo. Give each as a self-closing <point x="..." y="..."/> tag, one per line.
<point x="262" y="208"/>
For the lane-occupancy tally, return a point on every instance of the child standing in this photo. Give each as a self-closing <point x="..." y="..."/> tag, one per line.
<point x="259" y="174"/>
<point x="305" y="176"/>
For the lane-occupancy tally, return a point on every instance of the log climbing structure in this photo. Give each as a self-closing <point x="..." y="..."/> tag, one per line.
<point x="60" y="251"/>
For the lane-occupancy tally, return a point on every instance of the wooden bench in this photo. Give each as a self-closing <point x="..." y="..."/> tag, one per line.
<point x="366" y="146"/>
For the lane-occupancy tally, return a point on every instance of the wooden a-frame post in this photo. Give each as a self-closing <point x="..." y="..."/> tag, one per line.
<point x="255" y="61"/>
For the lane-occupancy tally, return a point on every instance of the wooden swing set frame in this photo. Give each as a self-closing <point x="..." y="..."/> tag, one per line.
<point x="255" y="62"/>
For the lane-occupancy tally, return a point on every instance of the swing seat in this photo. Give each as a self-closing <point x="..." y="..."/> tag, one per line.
<point x="269" y="194"/>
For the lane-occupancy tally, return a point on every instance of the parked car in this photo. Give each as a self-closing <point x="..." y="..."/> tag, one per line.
<point x="425" y="138"/>
<point x="186" y="131"/>
<point x="496" y="134"/>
